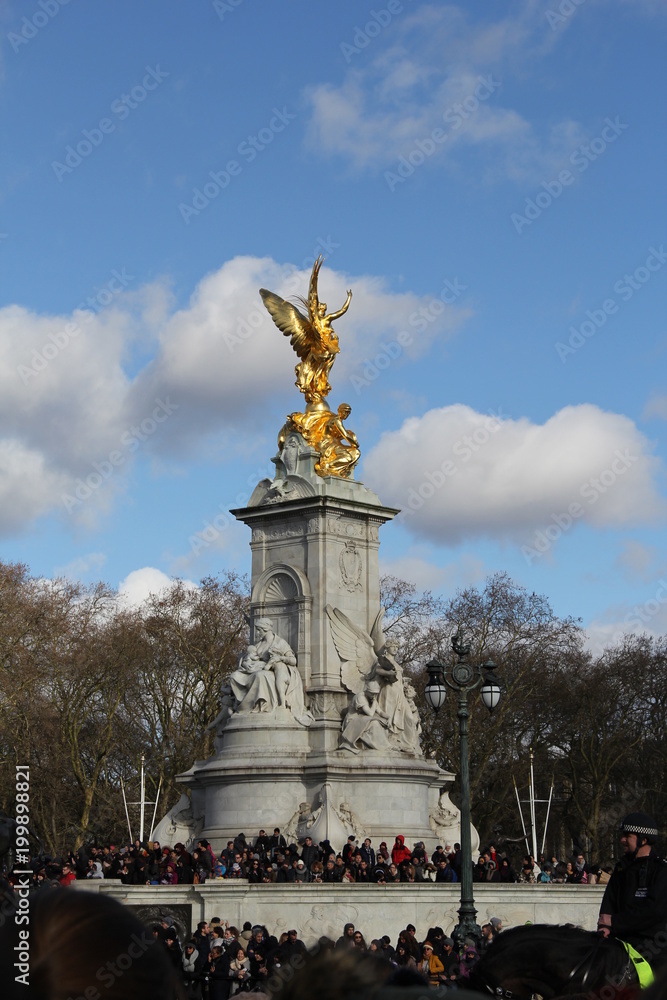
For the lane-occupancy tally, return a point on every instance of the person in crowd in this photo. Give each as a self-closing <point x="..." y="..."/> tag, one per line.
<point x="506" y="872"/>
<point x="239" y="971"/>
<point x="358" y="941"/>
<point x="527" y="874"/>
<point x="399" y="851"/>
<point x="408" y="939"/>
<point x="202" y="945"/>
<point x="574" y="877"/>
<point x="487" y="938"/>
<point x="431" y="966"/>
<point x="403" y="957"/>
<point x="392" y="874"/>
<point x="346" y="940"/>
<point x="218" y="975"/>
<point x="277" y="843"/>
<point x="190" y="971"/>
<point x="67" y="876"/>
<point x="310" y="853"/>
<point x="367" y="853"/>
<point x="634" y="905"/>
<point x="74" y="935"/>
<point x="349" y="849"/>
<point x="450" y="960"/>
<point x="468" y="959"/>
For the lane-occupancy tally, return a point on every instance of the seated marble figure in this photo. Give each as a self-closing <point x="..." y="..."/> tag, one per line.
<point x="267" y="677"/>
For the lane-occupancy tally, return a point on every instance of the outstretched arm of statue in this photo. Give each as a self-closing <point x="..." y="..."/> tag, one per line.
<point x="341" y="312"/>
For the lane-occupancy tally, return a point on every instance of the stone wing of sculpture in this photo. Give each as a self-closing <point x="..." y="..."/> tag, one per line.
<point x="291" y="322"/>
<point x="377" y="635"/>
<point x="355" y="648"/>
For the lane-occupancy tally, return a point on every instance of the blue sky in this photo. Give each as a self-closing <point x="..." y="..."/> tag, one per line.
<point x="489" y="181"/>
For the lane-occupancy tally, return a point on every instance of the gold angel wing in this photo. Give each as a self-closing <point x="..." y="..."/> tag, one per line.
<point x="291" y="322"/>
<point x="313" y="302"/>
<point x="355" y="648"/>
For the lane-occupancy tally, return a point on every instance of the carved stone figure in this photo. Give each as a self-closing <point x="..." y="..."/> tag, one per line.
<point x="324" y="821"/>
<point x="227" y="703"/>
<point x="365" y="724"/>
<point x="351" y="567"/>
<point x="290" y="453"/>
<point x="445" y="821"/>
<point x="179" y="824"/>
<point x="369" y="670"/>
<point x="267" y="678"/>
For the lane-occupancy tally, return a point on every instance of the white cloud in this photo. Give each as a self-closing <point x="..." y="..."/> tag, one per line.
<point x="461" y="474"/>
<point x="647" y="615"/>
<point x="433" y="69"/>
<point x="82" y="566"/>
<point x="78" y="404"/>
<point x="141" y="583"/>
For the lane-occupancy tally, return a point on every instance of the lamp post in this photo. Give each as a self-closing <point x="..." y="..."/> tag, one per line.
<point x="464" y="678"/>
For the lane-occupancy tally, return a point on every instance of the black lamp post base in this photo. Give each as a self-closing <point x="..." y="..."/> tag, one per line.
<point x="467" y="929"/>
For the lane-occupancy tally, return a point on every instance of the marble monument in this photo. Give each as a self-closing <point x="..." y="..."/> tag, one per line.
<point x="318" y="731"/>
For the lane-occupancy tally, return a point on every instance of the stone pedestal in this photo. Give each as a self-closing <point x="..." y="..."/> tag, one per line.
<point x="314" y="545"/>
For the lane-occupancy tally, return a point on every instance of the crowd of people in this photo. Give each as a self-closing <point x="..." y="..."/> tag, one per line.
<point x="223" y="960"/>
<point x="220" y="960"/>
<point x="271" y="859"/>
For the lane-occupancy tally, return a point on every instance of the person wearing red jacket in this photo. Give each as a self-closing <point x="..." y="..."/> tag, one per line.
<point x="399" y="851"/>
<point x="67" y="876"/>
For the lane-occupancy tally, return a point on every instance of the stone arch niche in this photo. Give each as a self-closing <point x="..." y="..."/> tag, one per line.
<point x="282" y="593"/>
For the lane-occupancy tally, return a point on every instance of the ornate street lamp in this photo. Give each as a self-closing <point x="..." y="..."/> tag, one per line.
<point x="464" y="678"/>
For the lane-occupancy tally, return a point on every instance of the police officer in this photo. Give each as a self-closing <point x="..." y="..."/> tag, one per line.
<point x="634" y="905"/>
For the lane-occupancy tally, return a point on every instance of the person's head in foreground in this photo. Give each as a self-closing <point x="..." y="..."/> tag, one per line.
<point x="83" y="945"/>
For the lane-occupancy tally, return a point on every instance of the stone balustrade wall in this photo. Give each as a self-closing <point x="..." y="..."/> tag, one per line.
<point x="316" y="910"/>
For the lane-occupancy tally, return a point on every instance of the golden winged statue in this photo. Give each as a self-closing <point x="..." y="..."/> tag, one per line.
<point x="315" y="342"/>
<point x="312" y="336"/>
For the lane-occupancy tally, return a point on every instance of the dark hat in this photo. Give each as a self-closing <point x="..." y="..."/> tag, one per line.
<point x="640" y="823"/>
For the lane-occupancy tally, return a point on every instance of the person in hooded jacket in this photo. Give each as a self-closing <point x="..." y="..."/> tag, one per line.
<point x="190" y="971"/>
<point x="399" y="851"/>
<point x="95" y="870"/>
<point x="346" y="940"/>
